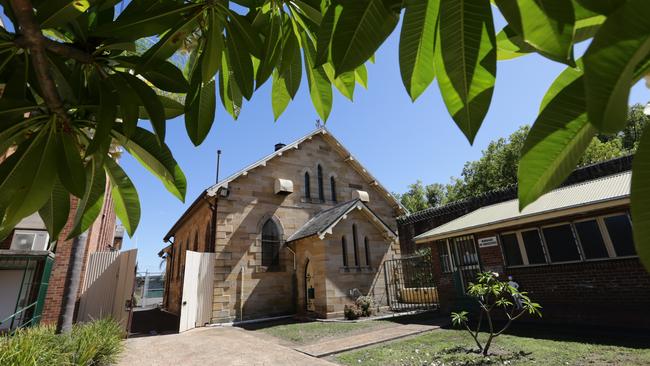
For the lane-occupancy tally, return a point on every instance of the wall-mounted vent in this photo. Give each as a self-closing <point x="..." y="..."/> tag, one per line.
<point x="361" y="195"/>
<point x="283" y="186"/>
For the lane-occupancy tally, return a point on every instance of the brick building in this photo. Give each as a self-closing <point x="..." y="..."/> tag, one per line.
<point x="571" y="250"/>
<point x="295" y="232"/>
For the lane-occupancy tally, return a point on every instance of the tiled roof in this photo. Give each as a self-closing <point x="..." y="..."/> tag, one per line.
<point x="323" y="221"/>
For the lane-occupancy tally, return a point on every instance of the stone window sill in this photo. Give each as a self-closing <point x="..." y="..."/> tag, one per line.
<point x="356" y="269"/>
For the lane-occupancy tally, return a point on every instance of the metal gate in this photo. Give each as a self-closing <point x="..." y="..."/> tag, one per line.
<point x="466" y="261"/>
<point x="410" y="283"/>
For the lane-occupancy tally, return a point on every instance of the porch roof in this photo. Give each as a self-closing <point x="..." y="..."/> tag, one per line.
<point x="323" y="222"/>
<point x="598" y="193"/>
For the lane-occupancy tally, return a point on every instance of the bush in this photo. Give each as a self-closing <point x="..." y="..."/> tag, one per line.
<point x="352" y="312"/>
<point x="97" y="343"/>
<point x="365" y="304"/>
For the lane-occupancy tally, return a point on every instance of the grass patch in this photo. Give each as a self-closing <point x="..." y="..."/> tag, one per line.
<point x="97" y="343"/>
<point x="311" y="332"/>
<point x="453" y="347"/>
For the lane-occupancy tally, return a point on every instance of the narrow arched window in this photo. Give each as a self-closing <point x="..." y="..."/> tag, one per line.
<point x="196" y="241"/>
<point x="333" y="188"/>
<point x="270" y="244"/>
<point x="366" y="245"/>
<point x="307" y="186"/>
<point x="321" y="191"/>
<point x="344" y="251"/>
<point x="208" y="240"/>
<point x="355" y="245"/>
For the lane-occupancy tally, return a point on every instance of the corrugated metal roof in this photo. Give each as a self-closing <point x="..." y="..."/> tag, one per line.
<point x="600" y="190"/>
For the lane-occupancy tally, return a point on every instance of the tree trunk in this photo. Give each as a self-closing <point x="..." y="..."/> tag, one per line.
<point x="487" y="345"/>
<point x="72" y="282"/>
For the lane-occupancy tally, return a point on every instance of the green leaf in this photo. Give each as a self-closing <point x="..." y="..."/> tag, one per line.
<point x="152" y="104"/>
<point x="171" y="108"/>
<point x="155" y="158"/>
<point x="105" y="118"/>
<point x="320" y="88"/>
<point x="620" y="44"/>
<point x="90" y="204"/>
<point x="511" y="45"/>
<point x="640" y="200"/>
<point x="70" y="166"/>
<point x="325" y="31"/>
<point x="344" y="82"/>
<point x="240" y="64"/>
<point x="307" y="10"/>
<point x="56" y="210"/>
<point x="129" y="103"/>
<point x="247" y="37"/>
<point x="547" y="25"/>
<point x="362" y="27"/>
<point x="291" y="64"/>
<point x="56" y="13"/>
<point x="417" y="45"/>
<point x="141" y="23"/>
<point x="557" y="140"/>
<point x="27" y="184"/>
<point x="231" y="97"/>
<point x="166" y="76"/>
<point x="465" y="61"/>
<point x="171" y="41"/>
<point x="125" y="197"/>
<point x="280" y="96"/>
<point x="361" y="76"/>
<point x="212" y="48"/>
<point x="200" y="107"/>
<point x="272" y="50"/>
<point x="601" y="6"/>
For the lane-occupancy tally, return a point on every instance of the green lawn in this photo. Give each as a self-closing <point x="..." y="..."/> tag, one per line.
<point x="311" y="332"/>
<point x="448" y="347"/>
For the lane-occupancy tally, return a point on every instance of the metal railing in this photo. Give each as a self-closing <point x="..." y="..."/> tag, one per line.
<point x="410" y="283"/>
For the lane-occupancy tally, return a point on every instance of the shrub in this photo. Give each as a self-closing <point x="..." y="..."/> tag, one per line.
<point x="352" y="312"/>
<point x="365" y="304"/>
<point x="96" y="343"/>
<point x="493" y="294"/>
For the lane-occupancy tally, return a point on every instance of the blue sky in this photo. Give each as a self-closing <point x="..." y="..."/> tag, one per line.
<point x="397" y="140"/>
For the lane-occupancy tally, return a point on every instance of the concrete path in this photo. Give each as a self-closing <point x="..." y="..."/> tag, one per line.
<point x="343" y="344"/>
<point x="211" y="346"/>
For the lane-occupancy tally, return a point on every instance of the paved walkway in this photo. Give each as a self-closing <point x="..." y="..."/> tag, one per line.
<point x="212" y="346"/>
<point x="339" y="345"/>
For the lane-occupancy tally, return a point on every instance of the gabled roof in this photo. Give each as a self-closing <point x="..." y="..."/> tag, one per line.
<point x="328" y="137"/>
<point x="323" y="222"/>
<point x="609" y="190"/>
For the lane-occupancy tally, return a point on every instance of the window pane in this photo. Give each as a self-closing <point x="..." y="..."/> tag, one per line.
<point x="533" y="245"/>
<point x="561" y="244"/>
<point x="620" y="231"/>
<point x="591" y="240"/>
<point x="511" y="249"/>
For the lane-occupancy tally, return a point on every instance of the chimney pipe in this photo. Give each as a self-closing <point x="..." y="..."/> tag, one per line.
<point x="279" y="146"/>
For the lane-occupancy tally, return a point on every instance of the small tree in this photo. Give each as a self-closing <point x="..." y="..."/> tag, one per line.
<point x="492" y="294"/>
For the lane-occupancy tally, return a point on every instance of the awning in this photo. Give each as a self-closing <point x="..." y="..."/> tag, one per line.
<point x="594" y="194"/>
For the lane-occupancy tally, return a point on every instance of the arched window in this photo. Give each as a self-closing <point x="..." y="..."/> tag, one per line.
<point x="321" y="191"/>
<point x="344" y="251"/>
<point x="366" y="244"/>
<point x="208" y="239"/>
<point x="355" y="245"/>
<point x="333" y="188"/>
<point x="307" y="186"/>
<point x="196" y="241"/>
<point x="270" y="244"/>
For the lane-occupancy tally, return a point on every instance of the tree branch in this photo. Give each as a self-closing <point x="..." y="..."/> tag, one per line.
<point x="36" y="44"/>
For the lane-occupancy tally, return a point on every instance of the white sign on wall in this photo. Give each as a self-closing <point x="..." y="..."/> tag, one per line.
<point x="489" y="241"/>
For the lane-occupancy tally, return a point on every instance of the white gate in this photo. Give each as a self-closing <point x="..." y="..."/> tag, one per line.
<point x="108" y="286"/>
<point x="198" y="281"/>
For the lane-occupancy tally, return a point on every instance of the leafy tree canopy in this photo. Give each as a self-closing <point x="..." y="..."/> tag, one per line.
<point x="498" y="166"/>
<point x="78" y="77"/>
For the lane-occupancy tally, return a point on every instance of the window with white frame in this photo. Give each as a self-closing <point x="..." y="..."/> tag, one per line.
<point x="29" y="240"/>
<point x="593" y="238"/>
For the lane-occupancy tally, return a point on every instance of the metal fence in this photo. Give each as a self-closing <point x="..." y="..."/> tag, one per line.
<point x="410" y="283"/>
